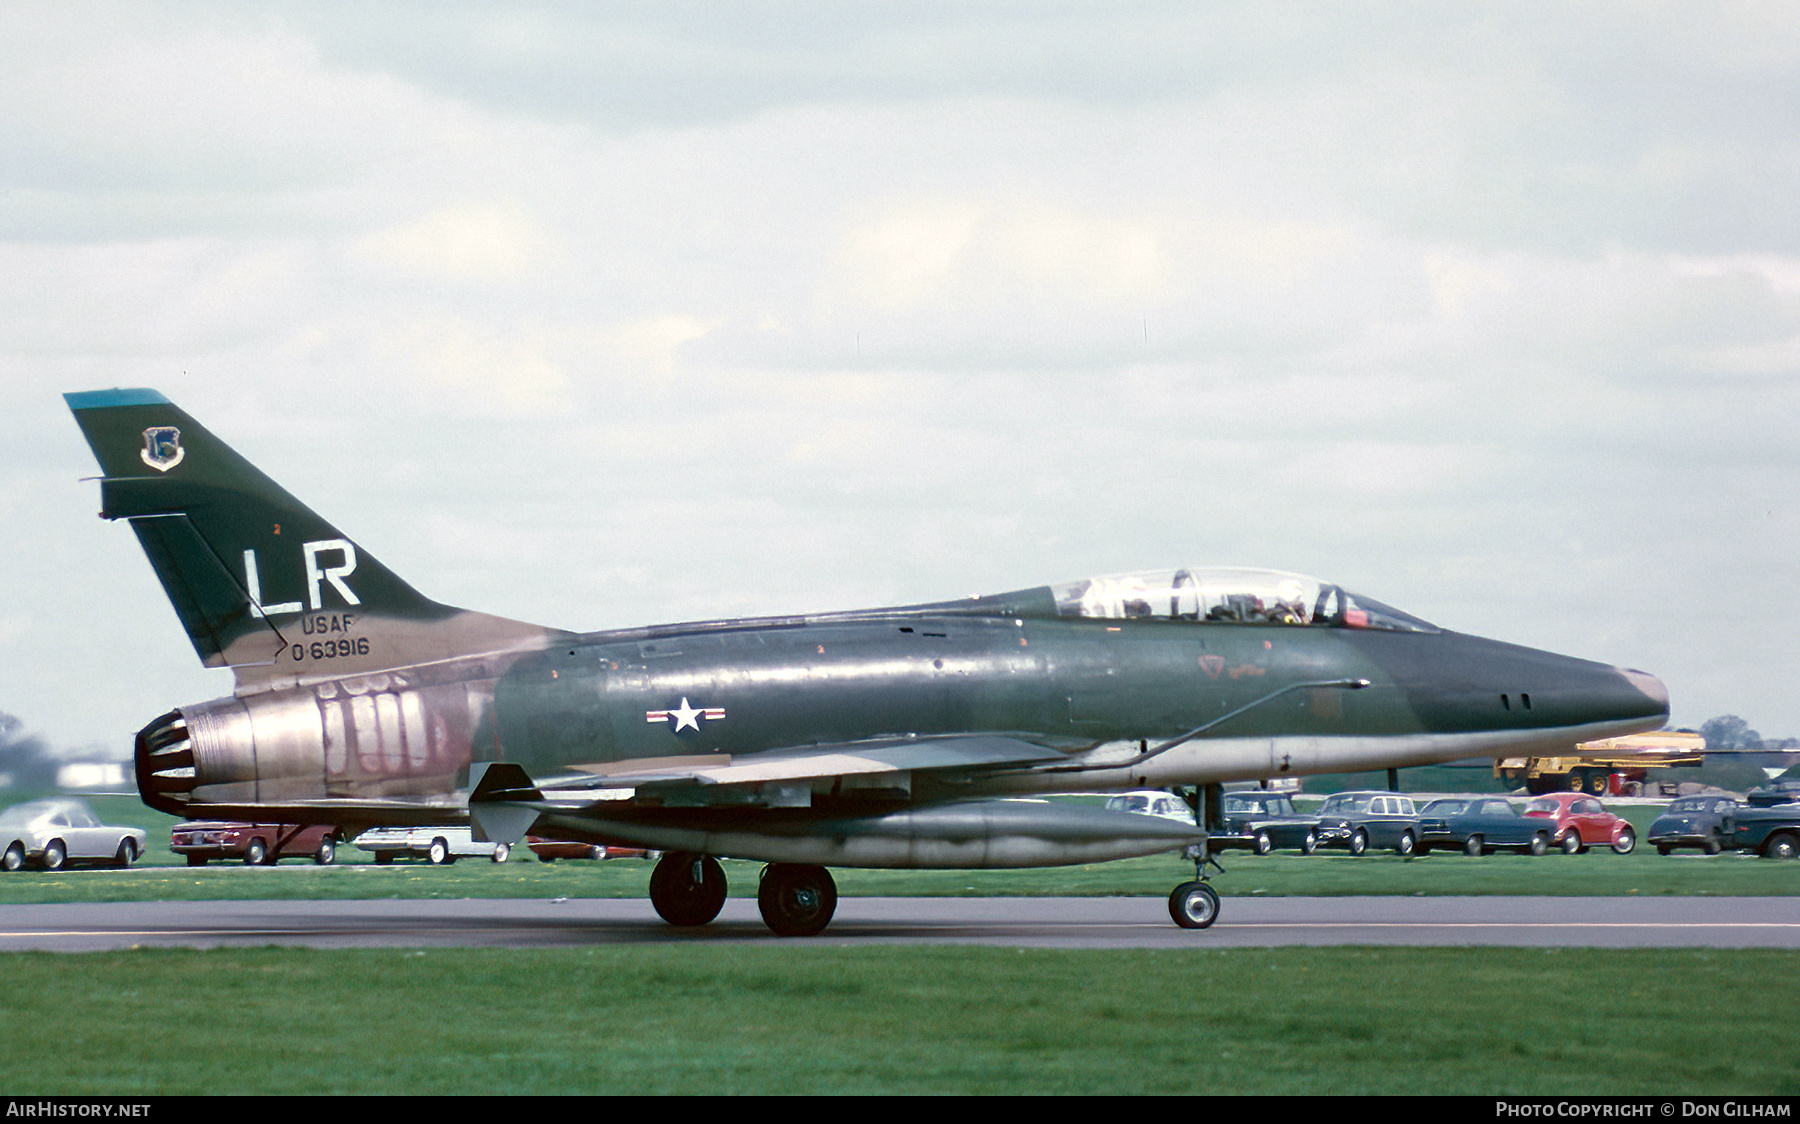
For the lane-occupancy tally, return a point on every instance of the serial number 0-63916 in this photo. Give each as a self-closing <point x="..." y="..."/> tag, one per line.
<point x="332" y="649"/>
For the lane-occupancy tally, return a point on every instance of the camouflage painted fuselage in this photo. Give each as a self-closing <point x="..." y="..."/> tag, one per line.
<point x="1098" y="693"/>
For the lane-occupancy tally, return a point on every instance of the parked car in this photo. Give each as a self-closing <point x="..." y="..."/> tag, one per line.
<point x="549" y="850"/>
<point x="1582" y="822"/>
<point x="1360" y="820"/>
<point x="439" y="845"/>
<point x="62" y="831"/>
<point x="1770" y="830"/>
<point x="1152" y="802"/>
<point x="257" y="844"/>
<point x="1481" y="824"/>
<point x="1781" y="792"/>
<point x="1706" y="822"/>
<point x="1263" y="821"/>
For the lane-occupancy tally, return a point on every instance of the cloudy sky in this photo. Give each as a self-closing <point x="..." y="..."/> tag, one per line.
<point x="600" y="315"/>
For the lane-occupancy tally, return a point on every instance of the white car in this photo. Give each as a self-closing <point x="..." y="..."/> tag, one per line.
<point x="440" y="845"/>
<point x="1152" y="802"/>
<point x="54" y="833"/>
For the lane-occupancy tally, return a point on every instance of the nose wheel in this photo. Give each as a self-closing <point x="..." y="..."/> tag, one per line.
<point x="1194" y="905"/>
<point x="687" y="889"/>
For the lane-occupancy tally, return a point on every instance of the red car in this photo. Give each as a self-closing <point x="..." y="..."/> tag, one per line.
<point x="1582" y="822"/>
<point x="549" y="850"/>
<point x="258" y="844"/>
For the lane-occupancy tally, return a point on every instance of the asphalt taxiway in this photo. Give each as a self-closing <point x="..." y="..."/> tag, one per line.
<point x="1668" y="922"/>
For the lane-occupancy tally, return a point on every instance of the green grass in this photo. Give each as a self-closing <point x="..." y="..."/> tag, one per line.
<point x="817" y="1018"/>
<point x="821" y="1019"/>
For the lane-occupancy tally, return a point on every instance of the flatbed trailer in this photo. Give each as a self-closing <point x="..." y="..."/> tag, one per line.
<point x="1610" y="767"/>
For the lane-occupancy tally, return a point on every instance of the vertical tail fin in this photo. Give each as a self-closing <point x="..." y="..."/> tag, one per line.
<point x="260" y="582"/>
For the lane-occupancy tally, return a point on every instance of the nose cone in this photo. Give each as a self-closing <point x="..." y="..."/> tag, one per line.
<point x="1650" y="685"/>
<point x="1623" y="698"/>
<point x="1561" y="691"/>
<point x="1461" y="682"/>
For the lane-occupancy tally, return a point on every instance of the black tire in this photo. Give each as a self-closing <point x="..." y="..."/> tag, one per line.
<point x="1781" y="845"/>
<point x="1472" y="846"/>
<point x="1539" y="845"/>
<point x="257" y="853"/>
<point x="1310" y="843"/>
<point x="327" y="852"/>
<point x="1625" y="842"/>
<point x="56" y="855"/>
<point x="546" y="858"/>
<point x="438" y="853"/>
<point x="502" y="852"/>
<point x="1664" y="849"/>
<point x="1359" y="841"/>
<point x="125" y="855"/>
<point x="197" y="860"/>
<point x="687" y="889"/>
<point x="1194" y="905"/>
<point x="1262" y="843"/>
<point x="1571" y="843"/>
<point x="382" y="858"/>
<point x="1712" y="846"/>
<point x="14" y="858"/>
<point x="796" y="900"/>
<point x="1408" y="841"/>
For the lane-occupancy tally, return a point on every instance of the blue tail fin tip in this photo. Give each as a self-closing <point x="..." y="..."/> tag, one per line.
<point x="100" y="399"/>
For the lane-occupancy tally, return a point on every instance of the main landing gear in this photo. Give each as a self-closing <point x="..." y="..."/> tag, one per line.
<point x="687" y="889"/>
<point x="796" y="900"/>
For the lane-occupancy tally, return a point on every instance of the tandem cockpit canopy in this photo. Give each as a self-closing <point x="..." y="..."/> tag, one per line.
<point x="1230" y="595"/>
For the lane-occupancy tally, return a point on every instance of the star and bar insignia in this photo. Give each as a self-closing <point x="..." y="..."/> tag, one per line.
<point x="685" y="717"/>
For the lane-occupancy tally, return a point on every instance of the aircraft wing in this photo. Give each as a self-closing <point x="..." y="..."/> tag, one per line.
<point x="809" y="763"/>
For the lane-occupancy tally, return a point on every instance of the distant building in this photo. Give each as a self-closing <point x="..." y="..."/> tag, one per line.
<point x="91" y="774"/>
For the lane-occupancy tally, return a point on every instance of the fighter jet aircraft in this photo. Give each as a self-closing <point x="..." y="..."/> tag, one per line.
<point x="895" y="737"/>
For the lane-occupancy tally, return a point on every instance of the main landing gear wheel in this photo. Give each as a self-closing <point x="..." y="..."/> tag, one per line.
<point x="687" y="889"/>
<point x="796" y="900"/>
<point x="1194" y="905"/>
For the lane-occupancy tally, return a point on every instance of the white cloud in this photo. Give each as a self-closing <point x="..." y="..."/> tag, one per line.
<point x="469" y="243"/>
